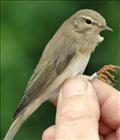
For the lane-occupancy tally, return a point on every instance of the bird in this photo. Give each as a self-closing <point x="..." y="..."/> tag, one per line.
<point x="65" y="56"/>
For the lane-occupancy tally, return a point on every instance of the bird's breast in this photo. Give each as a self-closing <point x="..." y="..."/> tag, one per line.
<point x="78" y="64"/>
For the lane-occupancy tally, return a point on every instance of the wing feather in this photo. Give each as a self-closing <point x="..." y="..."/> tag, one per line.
<point x="43" y="76"/>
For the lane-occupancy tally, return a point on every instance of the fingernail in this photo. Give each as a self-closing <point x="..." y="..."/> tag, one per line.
<point x="74" y="87"/>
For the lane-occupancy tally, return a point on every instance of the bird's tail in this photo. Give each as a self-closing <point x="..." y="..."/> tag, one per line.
<point x="17" y="123"/>
<point x="20" y="119"/>
<point x="14" y="128"/>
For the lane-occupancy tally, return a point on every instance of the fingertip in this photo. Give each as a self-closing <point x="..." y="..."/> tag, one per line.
<point x="109" y="99"/>
<point x="103" y="89"/>
<point x="78" y="108"/>
<point x="73" y="86"/>
<point x="48" y="134"/>
<point x="75" y="90"/>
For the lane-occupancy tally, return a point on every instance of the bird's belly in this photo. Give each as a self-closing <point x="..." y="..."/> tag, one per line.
<point x="78" y="65"/>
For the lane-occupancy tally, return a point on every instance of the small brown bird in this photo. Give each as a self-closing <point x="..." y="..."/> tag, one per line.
<point x="65" y="56"/>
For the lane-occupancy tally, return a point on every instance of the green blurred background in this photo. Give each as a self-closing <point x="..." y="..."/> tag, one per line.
<point x="27" y="26"/>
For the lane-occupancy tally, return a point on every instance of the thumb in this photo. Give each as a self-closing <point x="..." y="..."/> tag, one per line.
<point x="77" y="111"/>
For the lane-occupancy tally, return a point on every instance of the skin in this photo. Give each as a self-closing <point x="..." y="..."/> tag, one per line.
<point x="82" y="108"/>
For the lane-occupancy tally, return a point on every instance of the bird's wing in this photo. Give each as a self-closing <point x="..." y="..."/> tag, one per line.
<point x="44" y="74"/>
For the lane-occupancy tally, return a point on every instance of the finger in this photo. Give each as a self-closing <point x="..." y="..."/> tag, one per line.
<point x="48" y="134"/>
<point x="111" y="136"/>
<point x="109" y="99"/>
<point x="77" y="111"/>
<point x="101" y="137"/>
<point x="104" y="129"/>
<point x="118" y="133"/>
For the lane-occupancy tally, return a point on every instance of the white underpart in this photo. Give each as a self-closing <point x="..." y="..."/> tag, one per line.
<point x="100" y="38"/>
<point x="78" y="67"/>
<point x="79" y="64"/>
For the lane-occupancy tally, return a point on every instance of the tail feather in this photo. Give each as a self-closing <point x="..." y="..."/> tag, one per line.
<point x="20" y="119"/>
<point x="14" y="128"/>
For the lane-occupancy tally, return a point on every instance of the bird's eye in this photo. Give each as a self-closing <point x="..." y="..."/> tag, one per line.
<point x="88" y="21"/>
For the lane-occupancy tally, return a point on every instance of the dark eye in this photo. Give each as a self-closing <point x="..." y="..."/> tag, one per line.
<point x="88" y="21"/>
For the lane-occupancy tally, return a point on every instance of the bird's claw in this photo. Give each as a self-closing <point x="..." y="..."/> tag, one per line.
<point x="105" y="74"/>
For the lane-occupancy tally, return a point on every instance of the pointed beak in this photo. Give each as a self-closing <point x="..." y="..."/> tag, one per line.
<point x="107" y="28"/>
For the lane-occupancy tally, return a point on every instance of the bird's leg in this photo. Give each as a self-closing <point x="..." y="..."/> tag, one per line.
<point x="105" y="74"/>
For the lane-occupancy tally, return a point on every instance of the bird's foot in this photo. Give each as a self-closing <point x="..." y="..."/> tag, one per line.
<point x="106" y="74"/>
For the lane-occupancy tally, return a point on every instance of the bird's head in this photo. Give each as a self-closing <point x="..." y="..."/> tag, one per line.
<point x="86" y="26"/>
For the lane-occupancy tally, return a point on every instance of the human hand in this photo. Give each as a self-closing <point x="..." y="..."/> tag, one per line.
<point x="86" y="111"/>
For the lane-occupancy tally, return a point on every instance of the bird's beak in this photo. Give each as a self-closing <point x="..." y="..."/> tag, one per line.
<point x="107" y="28"/>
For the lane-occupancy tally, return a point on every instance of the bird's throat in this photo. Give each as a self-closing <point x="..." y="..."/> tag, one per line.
<point x="100" y="38"/>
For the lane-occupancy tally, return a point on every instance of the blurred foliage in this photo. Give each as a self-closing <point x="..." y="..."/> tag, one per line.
<point x="27" y="26"/>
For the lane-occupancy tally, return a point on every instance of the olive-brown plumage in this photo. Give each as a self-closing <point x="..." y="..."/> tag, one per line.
<point x="65" y="56"/>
